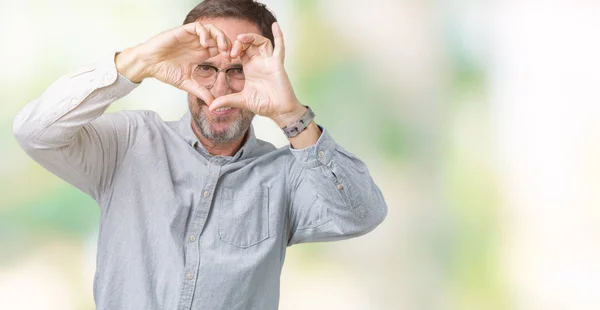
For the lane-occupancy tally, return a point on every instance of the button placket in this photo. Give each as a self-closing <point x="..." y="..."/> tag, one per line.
<point x="200" y="215"/>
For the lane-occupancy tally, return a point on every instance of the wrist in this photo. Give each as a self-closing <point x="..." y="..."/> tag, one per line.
<point x="301" y="124"/>
<point x="291" y="116"/>
<point x="308" y="137"/>
<point x="131" y="65"/>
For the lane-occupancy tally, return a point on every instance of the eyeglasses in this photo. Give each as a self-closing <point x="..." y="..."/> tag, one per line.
<point x="207" y="75"/>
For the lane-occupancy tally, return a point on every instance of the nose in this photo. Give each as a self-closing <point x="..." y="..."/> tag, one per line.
<point x="220" y="88"/>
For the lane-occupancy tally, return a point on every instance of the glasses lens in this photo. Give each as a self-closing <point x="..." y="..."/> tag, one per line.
<point x="205" y="75"/>
<point x="205" y="72"/>
<point x="236" y="78"/>
<point x="236" y="73"/>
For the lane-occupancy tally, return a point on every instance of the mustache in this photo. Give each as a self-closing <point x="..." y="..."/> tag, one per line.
<point x="244" y="111"/>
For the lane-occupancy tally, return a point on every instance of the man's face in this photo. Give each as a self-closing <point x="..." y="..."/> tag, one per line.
<point x="222" y="126"/>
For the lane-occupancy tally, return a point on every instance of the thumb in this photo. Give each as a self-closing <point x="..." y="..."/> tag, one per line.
<point x="236" y="100"/>
<point x="279" y="49"/>
<point x="199" y="91"/>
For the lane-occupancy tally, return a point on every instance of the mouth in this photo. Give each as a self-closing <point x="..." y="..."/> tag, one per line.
<point x="222" y="111"/>
<point x="218" y="113"/>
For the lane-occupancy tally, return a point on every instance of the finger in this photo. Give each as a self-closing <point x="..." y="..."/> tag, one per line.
<point x="236" y="100"/>
<point x="212" y="43"/>
<point x="279" y="50"/>
<point x="255" y="44"/>
<point x="223" y="42"/>
<point x="202" y="33"/>
<point x="197" y="90"/>
<point x="238" y="49"/>
<point x="213" y="51"/>
<point x="254" y="38"/>
<point x="196" y="28"/>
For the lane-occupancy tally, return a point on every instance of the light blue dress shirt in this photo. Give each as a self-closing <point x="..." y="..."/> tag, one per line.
<point x="179" y="228"/>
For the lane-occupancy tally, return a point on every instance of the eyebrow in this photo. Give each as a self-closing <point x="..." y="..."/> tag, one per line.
<point x="210" y="63"/>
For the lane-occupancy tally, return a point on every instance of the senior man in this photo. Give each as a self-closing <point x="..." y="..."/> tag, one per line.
<point x="197" y="213"/>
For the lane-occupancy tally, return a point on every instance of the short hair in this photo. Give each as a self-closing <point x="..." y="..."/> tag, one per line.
<point x="247" y="10"/>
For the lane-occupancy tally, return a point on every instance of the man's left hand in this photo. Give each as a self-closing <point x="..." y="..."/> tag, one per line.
<point x="267" y="91"/>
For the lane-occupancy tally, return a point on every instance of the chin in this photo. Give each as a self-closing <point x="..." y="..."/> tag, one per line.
<point x="221" y="132"/>
<point x="220" y="129"/>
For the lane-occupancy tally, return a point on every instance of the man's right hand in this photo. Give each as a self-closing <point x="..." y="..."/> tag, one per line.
<point x="172" y="56"/>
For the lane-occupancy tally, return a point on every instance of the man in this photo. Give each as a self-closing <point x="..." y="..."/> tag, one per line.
<point x="197" y="213"/>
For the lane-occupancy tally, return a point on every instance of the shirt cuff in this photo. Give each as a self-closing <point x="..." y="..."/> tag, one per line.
<point x="112" y="76"/>
<point x="317" y="154"/>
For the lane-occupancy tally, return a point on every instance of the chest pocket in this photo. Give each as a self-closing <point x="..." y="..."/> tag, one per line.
<point x="244" y="217"/>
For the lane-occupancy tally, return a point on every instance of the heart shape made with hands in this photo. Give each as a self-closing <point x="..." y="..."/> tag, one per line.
<point x="267" y="90"/>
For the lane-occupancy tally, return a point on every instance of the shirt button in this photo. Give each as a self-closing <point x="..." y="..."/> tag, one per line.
<point x="321" y="154"/>
<point x="192" y="238"/>
<point x="340" y="187"/>
<point x="206" y="194"/>
<point x="189" y="275"/>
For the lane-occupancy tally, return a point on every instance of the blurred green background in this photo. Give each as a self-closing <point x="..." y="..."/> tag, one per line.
<point x="479" y="120"/>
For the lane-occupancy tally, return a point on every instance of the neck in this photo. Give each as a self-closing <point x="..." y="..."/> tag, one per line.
<point x="220" y="149"/>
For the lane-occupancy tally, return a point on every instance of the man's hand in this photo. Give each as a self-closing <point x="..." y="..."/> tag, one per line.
<point x="172" y="57"/>
<point x="267" y="91"/>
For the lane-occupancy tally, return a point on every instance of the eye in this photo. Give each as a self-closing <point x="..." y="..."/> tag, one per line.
<point x="205" y="68"/>
<point x="236" y="72"/>
<point x="205" y="71"/>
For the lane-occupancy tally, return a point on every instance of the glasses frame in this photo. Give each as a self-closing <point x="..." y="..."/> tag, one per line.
<point x="216" y="73"/>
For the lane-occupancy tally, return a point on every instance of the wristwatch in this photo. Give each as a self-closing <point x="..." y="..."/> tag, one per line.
<point x="298" y="127"/>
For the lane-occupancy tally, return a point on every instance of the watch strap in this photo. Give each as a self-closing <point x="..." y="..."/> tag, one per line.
<point x="298" y="127"/>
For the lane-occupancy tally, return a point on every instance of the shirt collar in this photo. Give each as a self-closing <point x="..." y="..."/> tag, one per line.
<point x="185" y="128"/>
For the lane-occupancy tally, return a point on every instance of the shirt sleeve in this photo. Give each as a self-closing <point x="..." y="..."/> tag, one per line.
<point x="62" y="129"/>
<point x="333" y="196"/>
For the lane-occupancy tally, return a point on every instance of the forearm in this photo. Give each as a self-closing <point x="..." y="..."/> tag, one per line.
<point x="53" y="119"/>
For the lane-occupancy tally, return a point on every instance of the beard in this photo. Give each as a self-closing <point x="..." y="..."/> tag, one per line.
<point x="236" y="129"/>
